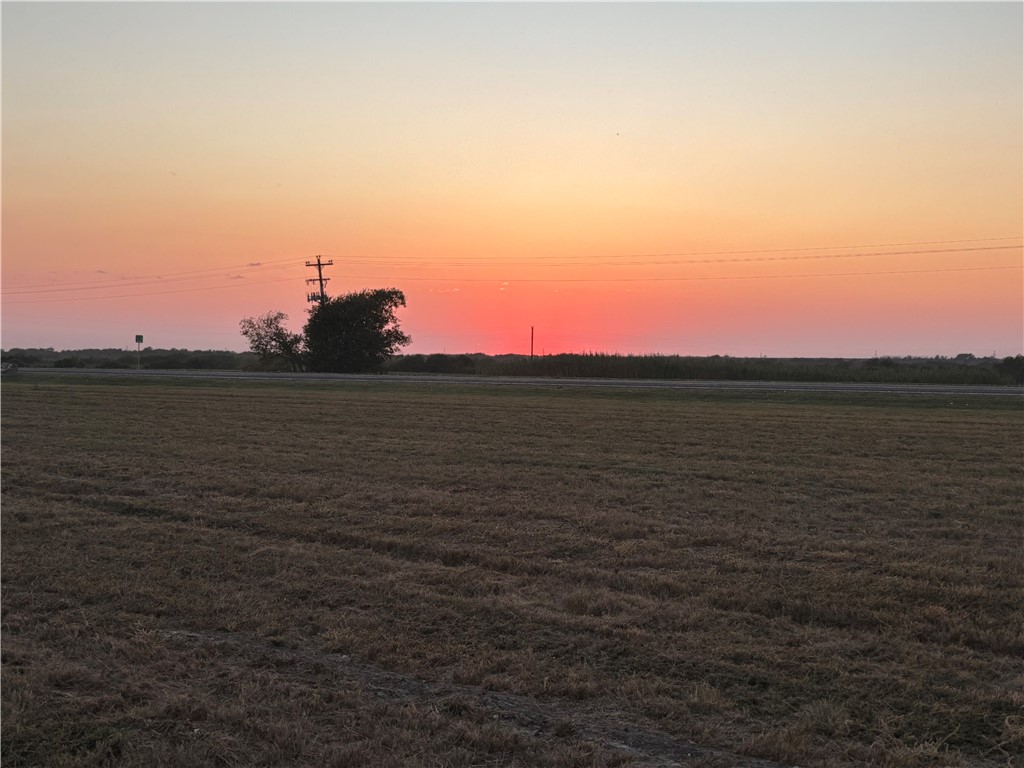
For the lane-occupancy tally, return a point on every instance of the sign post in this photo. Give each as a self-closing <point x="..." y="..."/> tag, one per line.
<point x="138" y="341"/>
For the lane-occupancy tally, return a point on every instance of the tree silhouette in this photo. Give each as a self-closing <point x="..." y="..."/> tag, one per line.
<point x="356" y="332"/>
<point x="1012" y="368"/>
<point x="274" y="343"/>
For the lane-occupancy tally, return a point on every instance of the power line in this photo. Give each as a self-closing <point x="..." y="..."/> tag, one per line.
<point x="751" y="259"/>
<point x="545" y="280"/>
<point x="766" y="250"/>
<point x="125" y="284"/>
<point x="218" y="272"/>
<point x="680" y="279"/>
<point x="210" y="272"/>
<point x="156" y="293"/>
<point x="152" y="279"/>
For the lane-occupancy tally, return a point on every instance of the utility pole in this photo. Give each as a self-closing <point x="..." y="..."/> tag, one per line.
<point x="531" y="342"/>
<point x="322" y="295"/>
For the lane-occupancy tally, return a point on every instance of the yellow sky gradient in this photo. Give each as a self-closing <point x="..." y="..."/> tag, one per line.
<point x="447" y="149"/>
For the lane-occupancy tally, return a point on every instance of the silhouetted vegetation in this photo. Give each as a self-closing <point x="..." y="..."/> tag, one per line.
<point x="962" y="369"/>
<point x="438" y="363"/>
<point x="150" y="358"/>
<point x="276" y="346"/>
<point x="355" y="333"/>
<point x="69" y="362"/>
<point x="910" y="370"/>
<point x="1013" y="368"/>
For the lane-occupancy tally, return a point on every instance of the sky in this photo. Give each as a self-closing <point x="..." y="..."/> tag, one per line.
<point x="779" y="179"/>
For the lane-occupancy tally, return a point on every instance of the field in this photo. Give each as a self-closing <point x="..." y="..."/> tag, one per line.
<point x="328" y="574"/>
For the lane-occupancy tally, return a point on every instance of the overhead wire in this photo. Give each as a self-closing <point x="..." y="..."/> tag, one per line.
<point x="220" y="272"/>
<point x="129" y="284"/>
<point x="210" y="272"/>
<point x="747" y="251"/>
<point x="550" y="280"/>
<point x="679" y="279"/>
<point x="751" y="259"/>
<point x="120" y="282"/>
<point x="156" y="293"/>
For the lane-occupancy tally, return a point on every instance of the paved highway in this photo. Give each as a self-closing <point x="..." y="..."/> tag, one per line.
<point x="527" y="381"/>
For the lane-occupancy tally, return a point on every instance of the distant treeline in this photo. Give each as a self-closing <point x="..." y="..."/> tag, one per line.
<point x="962" y="369"/>
<point x="162" y="359"/>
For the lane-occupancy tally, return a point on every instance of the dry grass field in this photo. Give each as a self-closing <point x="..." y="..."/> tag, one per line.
<point x="355" y="575"/>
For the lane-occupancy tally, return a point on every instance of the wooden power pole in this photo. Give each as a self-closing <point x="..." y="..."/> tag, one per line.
<point x="322" y="295"/>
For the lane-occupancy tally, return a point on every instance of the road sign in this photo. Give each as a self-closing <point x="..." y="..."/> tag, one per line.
<point x="138" y="339"/>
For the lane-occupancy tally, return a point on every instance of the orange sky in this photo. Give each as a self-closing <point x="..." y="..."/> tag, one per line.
<point x="169" y="168"/>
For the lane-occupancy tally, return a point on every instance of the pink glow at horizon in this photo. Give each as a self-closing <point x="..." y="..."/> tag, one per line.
<point x="169" y="168"/>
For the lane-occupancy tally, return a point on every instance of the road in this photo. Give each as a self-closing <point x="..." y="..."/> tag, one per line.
<point x="528" y="381"/>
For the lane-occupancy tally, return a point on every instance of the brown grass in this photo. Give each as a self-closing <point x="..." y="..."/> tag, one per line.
<point x="406" y="575"/>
